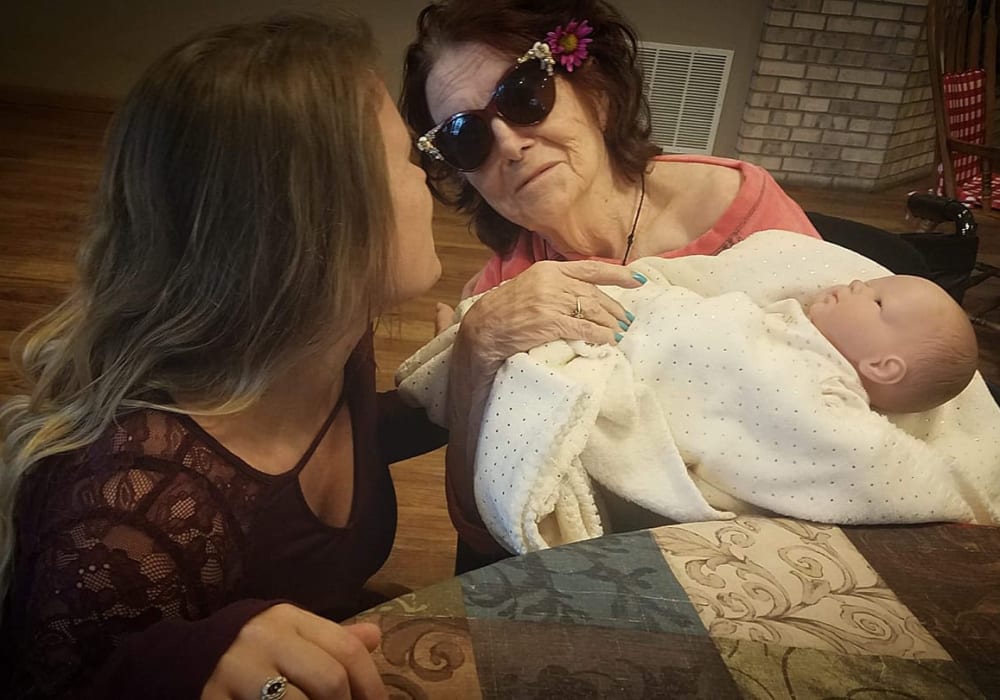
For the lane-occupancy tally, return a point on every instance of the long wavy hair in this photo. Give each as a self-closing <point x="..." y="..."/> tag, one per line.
<point x="611" y="74"/>
<point x="231" y="236"/>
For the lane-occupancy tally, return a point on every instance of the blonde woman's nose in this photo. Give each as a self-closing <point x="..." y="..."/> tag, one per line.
<point x="856" y="286"/>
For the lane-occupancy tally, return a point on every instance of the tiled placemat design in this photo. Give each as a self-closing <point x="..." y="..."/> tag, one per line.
<point x="426" y="651"/>
<point x="614" y="581"/>
<point x="764" y="670"/>
<point x="518" y="659"/>
<point x="949" y="576"/>
<point x="755" y="607"/>
<point x="793" y="584"/>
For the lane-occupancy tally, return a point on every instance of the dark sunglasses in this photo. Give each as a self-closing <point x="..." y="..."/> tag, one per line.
<point x="524" y="96"/>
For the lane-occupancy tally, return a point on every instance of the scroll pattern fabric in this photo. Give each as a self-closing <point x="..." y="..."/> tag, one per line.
<point x="752" y="607"/>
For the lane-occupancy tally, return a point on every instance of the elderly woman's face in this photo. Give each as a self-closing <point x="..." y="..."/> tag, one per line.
<point x="534" y="174"/>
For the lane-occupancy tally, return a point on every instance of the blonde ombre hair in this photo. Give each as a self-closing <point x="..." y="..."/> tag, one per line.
<point x="243" y="219"/>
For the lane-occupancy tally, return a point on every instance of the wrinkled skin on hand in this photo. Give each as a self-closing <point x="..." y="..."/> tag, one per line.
<point x="537" y="307"/>
<point x="534" y="308"/>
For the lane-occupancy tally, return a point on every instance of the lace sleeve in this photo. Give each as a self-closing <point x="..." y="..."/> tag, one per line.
<point x="132" y="561"/>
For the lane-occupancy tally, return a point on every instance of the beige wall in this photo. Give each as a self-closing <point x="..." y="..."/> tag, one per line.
<point x="99" y="47"/>
<point x="718" y="24"/>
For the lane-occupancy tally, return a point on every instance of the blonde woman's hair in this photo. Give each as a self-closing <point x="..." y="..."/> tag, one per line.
<point x="243" y="218"/>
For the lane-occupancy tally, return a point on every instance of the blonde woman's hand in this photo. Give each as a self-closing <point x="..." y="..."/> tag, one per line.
<point x="321" y="659"/>
<point x="540" y="304"/>
<point x="469" y="287"/>
<point x="443" y="317"/>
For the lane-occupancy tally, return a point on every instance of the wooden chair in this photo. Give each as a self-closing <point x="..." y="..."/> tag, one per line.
<point x="962" y="60"/>
<point x="962" y="53"/>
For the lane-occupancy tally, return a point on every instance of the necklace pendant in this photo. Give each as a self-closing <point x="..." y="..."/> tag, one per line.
<point x="635" y="222"/>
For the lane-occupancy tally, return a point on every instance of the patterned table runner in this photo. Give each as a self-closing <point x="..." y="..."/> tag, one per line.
<point x="756" y="608"/>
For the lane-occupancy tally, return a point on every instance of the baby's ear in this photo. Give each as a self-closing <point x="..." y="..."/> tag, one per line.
<point x="889" y="369"/>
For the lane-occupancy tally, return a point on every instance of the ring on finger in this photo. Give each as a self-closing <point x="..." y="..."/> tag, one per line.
<point x="578" y="311"/>
<point x="274" y="688"/>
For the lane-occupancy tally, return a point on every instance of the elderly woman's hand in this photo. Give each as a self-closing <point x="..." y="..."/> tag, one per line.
<point x="541" y="304"/>
<point x="534" y="308"/>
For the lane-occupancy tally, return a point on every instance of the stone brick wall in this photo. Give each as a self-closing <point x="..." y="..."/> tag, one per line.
<point x="841" y="95"/>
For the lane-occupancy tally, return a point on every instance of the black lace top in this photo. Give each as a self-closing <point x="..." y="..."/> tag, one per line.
<point x="140" y="557"/>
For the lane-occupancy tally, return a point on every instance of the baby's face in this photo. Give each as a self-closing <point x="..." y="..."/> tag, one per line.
<point x="879" y="317"/>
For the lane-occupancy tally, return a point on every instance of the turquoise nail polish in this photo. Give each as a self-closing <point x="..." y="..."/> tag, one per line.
<point x="639" y="277"/>
<point x="623" y="325"/>
<point x="619" y="337"/>
<point x="630" y="316"/>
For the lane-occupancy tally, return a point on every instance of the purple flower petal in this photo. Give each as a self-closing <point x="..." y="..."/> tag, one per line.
<point x="579" y="29"/>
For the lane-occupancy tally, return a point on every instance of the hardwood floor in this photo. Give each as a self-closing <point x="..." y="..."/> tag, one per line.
<point x="49" y="166"/>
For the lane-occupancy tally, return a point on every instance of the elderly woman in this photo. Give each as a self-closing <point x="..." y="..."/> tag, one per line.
<point x="531" y="118"/>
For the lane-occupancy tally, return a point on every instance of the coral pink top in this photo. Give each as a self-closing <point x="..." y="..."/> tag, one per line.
<point x="760" y="204"/>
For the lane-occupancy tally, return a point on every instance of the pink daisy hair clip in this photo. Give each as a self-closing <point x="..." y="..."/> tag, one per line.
<point x="569" y="44"/>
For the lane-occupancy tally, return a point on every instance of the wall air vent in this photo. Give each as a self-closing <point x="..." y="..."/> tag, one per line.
<point x="685" y="86"/>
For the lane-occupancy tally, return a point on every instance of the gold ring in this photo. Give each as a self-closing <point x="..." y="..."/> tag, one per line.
<point x="578" y="311"/>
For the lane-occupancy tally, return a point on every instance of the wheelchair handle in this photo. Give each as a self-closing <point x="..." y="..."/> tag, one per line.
<point x="940" y="209"/>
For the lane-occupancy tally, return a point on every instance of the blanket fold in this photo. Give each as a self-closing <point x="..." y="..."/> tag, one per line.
<point x="717" y="401"/>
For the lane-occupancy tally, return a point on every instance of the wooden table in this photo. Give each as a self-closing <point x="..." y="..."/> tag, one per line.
<point x="756" y="607"/>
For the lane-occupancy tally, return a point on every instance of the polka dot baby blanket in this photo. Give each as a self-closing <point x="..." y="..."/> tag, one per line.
<point x="722" y="399"/>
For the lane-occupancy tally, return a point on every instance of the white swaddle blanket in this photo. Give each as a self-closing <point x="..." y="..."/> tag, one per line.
<point x="722" y="398"/>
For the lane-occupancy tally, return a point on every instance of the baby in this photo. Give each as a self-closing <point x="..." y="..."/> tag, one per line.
<point x="720" y="401"/>
<point x="911" y="344"/>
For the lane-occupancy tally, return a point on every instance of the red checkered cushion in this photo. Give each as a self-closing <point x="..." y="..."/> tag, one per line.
<point x="965" y="110"/>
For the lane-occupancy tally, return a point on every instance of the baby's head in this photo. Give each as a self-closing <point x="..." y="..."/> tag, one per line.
<point x="911" y="344"/>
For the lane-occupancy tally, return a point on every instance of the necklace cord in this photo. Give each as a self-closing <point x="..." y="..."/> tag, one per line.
<point x="638" y="210"/>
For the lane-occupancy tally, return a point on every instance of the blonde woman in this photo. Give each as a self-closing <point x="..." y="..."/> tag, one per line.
<point x="198" y="481"/>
